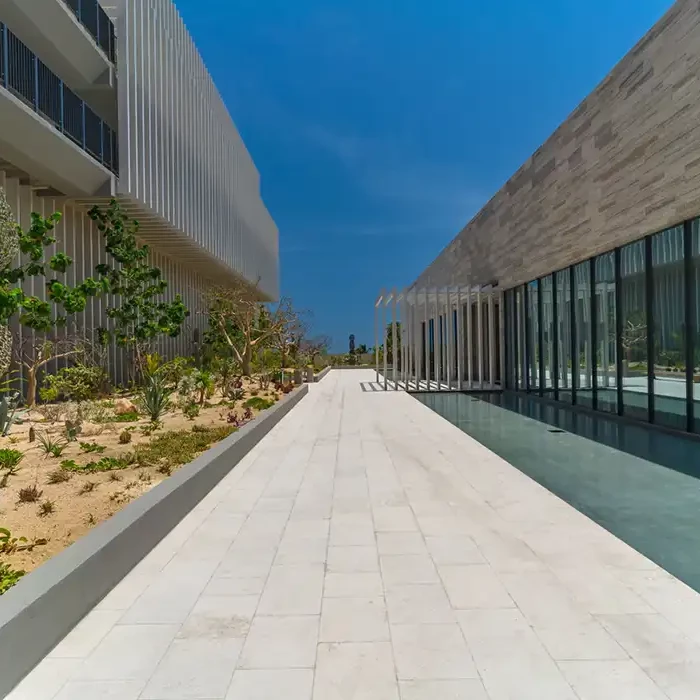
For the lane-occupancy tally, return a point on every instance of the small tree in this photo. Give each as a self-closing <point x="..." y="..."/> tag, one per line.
<point x="314" y="347"/>
<point x="140" y="315"/>
<point x="243" y="323"/>
<point x="34" y="356"/>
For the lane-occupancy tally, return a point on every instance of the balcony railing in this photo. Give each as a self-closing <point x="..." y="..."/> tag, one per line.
<point x="23" y="74"/>
<point x="91" y="15"/>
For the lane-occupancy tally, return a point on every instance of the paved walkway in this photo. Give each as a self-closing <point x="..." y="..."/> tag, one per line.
<point x="369" y="550"/>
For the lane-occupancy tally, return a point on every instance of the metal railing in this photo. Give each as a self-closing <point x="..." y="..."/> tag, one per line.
<point x="91" y="15"/>
<point x="23" y="74"/>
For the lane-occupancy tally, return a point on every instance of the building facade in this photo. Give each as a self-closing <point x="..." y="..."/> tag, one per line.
<point x="113" y="100"/>
<point x="589" y="255"/>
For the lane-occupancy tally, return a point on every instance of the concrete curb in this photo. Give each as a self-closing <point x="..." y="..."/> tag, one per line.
<point x="47" y="603"/>
<point x="322" y="374"/>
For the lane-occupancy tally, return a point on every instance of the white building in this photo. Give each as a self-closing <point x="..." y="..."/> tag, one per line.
<point x="114" y="100"/>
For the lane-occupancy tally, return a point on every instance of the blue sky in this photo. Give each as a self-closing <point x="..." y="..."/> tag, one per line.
<point x="380" y="127"/>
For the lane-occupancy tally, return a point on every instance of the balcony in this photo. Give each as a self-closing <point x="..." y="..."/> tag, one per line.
<point x="91" y="15"/>
<point x="46" y="129"/>
<point x="75" y="38"/>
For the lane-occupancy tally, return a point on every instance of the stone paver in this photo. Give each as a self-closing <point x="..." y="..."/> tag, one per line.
<point x="368" y="549"/>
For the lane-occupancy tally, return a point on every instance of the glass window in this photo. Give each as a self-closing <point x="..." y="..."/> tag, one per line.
<point x="634" y="331"/>
<point x="563" y="287"/>
<point x="547" y="294"/>
<point x="533" y="337"/>
<point x="695" y="282"/>
<point x="583" y="368"/>
<point x="668" y="278"/>
<point x="520" y="324"/>
<point x="606" y="329"/>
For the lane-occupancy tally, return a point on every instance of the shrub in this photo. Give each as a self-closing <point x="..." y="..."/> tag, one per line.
<point x="52" y="446"/>
<point x="176" y="369"/>
<point x="9" y="577"/>
<point x="87" y="487"/>
<point x="46" y="508"/>
<point x="124" y="437"/>
<point x="156" y="397"/>
<point x="258" y="403"/>
<point x="92" y="447"/>
<point x="129" y="417"/>
<point x="9" y="459"/>
<point x="58" y="476"/>
<point x="105" y="464"/>
<point x="77" y="383"/>
<point x="29" y="494"/>
<point x="73" y="429"/>
<point x="175" y="448"/>
<point x="191" y="410"/>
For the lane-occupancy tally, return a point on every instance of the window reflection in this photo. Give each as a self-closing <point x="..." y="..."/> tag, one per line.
<point x="668" y="278"/>
<point x="583" y="373"/>
<point x="533" y="336"/>
<point x="606" y="346"/>
<point x="634" y="331"/>
<point x="547" y="293"/>
<point x="563" y="291"/>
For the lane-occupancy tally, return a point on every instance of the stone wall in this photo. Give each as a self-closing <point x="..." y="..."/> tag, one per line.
<point x="626" y="163"/>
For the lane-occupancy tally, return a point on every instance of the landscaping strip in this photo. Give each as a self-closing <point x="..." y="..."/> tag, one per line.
<point x="47" y="603"/>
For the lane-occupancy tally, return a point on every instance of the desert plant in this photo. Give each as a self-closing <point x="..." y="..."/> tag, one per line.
<point x="46" y="508"/>
<point x="114" y="476"/>
<point x="58" y="476"/>
<point x="51" y="446"/>
<point x="92" y="447"/>
<point x="9" y="459"/>
<point x="78" y="383"/>
<point x="87" y="487"/>
<point x="125" y="437"/>
<point x="176" y="448"/>
<point x="9" y="414"/>
<point x="175" y="370"/>
<point x="248" y="414"/>
<point x="156" y="397"/>
<point x="129" y="417"/>
<point x="52" y="412"/>
<point x="258" y="403"/>
<point x="9" y="577"/>
<point x="165" y="469"/>
<point x="70" y="465"/>
<point x="204" y="384"/>
<point x="72" y="430"/>
<point x="90" y="519"/>
<point x="145" y="477"/>
<point x="105" y="464"/>
<point x="191" y="410"/>
<point x="29" y="494"/>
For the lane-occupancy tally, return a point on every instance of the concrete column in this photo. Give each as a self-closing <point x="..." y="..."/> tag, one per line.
<point x="470" y="340"/>
<point x="384" y="343"/>
<point x="438" y="340"/>
<point x="480" y="340"/>
<point x="426" y="339"/>
<point x="449" y="340"/>
<point x="394" y="343"/>
<point x="492" y="340"/>
<point x="460" y="341"/>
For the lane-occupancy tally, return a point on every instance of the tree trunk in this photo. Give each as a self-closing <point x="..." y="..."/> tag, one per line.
<point x="247" y="360"/>
<point x="31" y="386"/>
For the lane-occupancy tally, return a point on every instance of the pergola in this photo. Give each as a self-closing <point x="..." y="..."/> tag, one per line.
<point x="442" y="339"/>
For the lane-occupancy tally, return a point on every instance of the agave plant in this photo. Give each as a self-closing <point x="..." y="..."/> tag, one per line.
<point x="156" y="397"/>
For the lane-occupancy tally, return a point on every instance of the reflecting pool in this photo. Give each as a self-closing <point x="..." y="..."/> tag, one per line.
<point x="642" y="485"/>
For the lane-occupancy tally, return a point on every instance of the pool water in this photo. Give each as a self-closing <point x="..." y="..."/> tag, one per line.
<point x="642" y="485"/>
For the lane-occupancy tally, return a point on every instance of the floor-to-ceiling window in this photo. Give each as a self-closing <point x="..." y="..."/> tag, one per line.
<point x="669" y="365"/>
<point x="547" y="303"/>
<point x="563" y="292"/>
<point x="582" y="364"/>
<point x="533" y="336"/>
<point x="606" y="337"/>
<point x="694" y="316"/>
<point x="521" y="368"/>
<point x="618" y="333"/>
<point x="634" y="338"/>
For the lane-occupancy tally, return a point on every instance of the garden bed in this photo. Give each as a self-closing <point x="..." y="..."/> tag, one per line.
<point x="52" y="500"/>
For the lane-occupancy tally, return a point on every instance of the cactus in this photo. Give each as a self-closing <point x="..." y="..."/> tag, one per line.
<point x="9" y="248"/>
